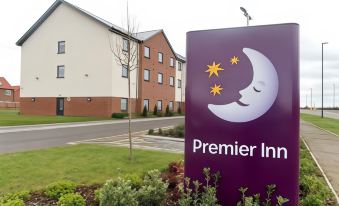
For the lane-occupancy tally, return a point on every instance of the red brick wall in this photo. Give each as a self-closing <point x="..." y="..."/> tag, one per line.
<point x="77" y="106"/>
<point x="6" y="98"/>
<point x="152" y="90"/>
<point x="17" y="95"/>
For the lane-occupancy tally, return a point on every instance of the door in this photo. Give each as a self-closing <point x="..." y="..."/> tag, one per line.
<point x="60" y="106"/>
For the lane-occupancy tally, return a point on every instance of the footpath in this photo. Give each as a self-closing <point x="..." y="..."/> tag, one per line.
<point x="324" y="146"/>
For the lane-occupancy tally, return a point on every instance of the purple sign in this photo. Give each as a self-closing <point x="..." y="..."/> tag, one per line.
<point x="242" y="109"/>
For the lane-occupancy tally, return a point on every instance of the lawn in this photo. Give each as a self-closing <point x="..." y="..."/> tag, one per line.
<point x="329" y="124"/>
<point x="86" y="164"/>
<point x="11" y="117"/>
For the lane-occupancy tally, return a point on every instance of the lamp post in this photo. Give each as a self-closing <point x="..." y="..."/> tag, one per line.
<point x="248" y="17"/>
<point x="322" y="78"/>
<point x="333" y="95"/>
<point x="311" y="98"/>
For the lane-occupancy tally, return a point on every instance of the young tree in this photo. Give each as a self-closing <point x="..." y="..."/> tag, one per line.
<point x="145" y="112"/>
<point x="155" y="110"/>
<point x="126" y="55"/>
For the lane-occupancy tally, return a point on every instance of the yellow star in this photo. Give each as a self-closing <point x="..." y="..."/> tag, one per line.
<point x="213" y="69"/>
<point x="216" y="89"/>
<point x="234" y="60"/>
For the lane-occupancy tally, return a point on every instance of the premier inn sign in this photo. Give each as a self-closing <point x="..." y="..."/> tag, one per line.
<point x="242" y="109"/>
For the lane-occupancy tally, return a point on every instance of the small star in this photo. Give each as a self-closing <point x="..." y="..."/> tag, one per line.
<point x="213" y="69"/>
<point x="234" y="60"/>
<point x="216" y="89"/>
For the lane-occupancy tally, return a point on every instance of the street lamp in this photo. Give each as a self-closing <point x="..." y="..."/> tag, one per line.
<point x="248" y="17"/>
<point x="311" y="98"/>
<point x="322" y="78"/>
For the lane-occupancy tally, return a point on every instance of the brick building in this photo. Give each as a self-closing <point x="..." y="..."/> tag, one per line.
<point x="68" y="68"/>
<point x="9" y="95"/>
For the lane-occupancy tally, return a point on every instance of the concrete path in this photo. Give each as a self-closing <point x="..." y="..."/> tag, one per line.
<point x="327" y="113"/>
<point x="325" y="147"/>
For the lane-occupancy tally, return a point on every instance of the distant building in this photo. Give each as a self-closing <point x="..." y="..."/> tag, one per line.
<point x="68" y="68"/>
<point x="9" y="95"/>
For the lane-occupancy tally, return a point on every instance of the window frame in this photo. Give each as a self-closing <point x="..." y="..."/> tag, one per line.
<point x="171" y="108"/>
<point x="149" y="52"/>
<point x="162" y="78"/>
<point x="59" y="47"/>
<point x="159" y="109"/>
<point x="58" y="72"/>
<point x="149" y="75"/>
<point x="121" y="109"/>
<point x="123" y="45"/>
<point x="173" y="81"/>
<point x="179" y="66"/>
<point x="122" y="71"/>
<point x="179" y="84"/>
<point x="8" y="92"/>
<point x="162" y="57"/>
<point x="147" y="104"/>
<point x="172" y="62"/>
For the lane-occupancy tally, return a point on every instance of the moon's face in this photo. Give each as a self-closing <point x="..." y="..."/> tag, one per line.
<point x="258" y="97"/>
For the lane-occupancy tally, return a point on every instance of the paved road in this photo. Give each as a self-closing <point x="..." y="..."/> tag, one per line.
<point x="23" y="138"/>
<point x="325" y="147"/>
<point x="327" y="113"/>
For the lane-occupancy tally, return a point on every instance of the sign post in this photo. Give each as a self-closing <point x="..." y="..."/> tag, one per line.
<point x="242" y="109"/>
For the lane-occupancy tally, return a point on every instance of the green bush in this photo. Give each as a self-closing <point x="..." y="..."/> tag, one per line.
<point x="145" y="112"/>
<point x="136" y="181"/>
<point x="160" y="114"/>
<point x="312" y="200"/>
<point x="71" y="199"/>
<point x="119" y="115"/>
<point x="160" y="132"/>
<point x="155" y="110"/>
<point x="168" y="113"/>
<point x="14" y="199"/>
<point x="118" y="193"/>
<point x="307" y="167"/>
<point x="311" y="185"/>
<point x="153" y="191"/>
<point x="151" y="131"/>
<point x="60" y="188"/>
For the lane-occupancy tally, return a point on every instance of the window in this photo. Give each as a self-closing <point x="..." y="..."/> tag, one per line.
<point x="170" y="106"/>
<point x="171" y="62"/>
<point x="8" y="92"/>
<point x="61" y="47"/>
<point x="125" y="45"/>
<point x="61" y="71"/>
<point x="147" y="75"/>
<point x="146" y="103"/>
<point x="0" y="83"/>
<point x="160" y="57"/>
<point x="160" y="78"/>
<point x="179" y="66"/>
<point x="146" y="52"/>
<point x="123" y="104"/>
<point x="159" y="105"/>
<point x="124" y="71"/>
<point x="179" y="83"/>
<point x="171" y="81"/>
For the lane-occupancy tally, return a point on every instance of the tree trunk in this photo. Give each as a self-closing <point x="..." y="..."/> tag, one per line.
<point x="129" y="101"/>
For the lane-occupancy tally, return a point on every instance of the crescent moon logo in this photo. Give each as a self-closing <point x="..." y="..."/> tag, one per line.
<point x="258" y="97"/>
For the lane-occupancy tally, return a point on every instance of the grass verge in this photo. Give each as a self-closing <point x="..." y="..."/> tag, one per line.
<point x="11" y="117"/>
<point x="329" y="124"/>
<point x="83" y="164"/>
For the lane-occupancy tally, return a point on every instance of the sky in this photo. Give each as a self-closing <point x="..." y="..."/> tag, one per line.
<point x="317" y="22"/>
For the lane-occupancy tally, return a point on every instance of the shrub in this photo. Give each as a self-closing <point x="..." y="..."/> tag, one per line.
<point x="160" y="114"/>
<point x="160" y="132"/>
<point x="119" y="115"/>
<point x="145" y="112"/>
<point x="136" y="181"/>
<point x="151" y="131"/>
<point x="155" y="110"/>
<point x="119" y="193"/>
<point x="168" y="113"/>
<point x="14" y="199"/>
<point x="179" y="110"/>
<point x="60" y="188"/>
<point x="71" y="199"/>
<point x="153" y="191"/>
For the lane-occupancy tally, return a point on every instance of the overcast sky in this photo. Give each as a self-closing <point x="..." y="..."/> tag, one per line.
<point x="317" y="19"/>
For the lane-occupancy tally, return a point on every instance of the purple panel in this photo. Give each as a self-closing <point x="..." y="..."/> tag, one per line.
<point x="259" y="104"/>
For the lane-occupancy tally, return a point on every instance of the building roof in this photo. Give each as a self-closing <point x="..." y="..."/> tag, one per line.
<point x="140" y="36"/>
<point x="181" y="58"/>
<point x="4" y="84"/>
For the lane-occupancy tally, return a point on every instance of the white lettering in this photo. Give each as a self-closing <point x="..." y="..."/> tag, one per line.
<point x="195" y="146"/>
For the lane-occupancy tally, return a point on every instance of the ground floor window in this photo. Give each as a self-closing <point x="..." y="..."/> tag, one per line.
<point x="170" y="106"/>
<point x="8" y="92"/>
<point x="124" y="104"/>
<point x="146" y="103"/>
<point x="159" y="105"/>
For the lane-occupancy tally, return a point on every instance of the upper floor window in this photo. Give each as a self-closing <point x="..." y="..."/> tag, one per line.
<point x="160" y="57"/>
<point x="124" y="104"/>
<point x="61" y="47"/>
<point x="61" y="71"/>
<point x="160" y="78"/>
<point x="171" y="81"/>
<point x="8" y="92"/>
<point x="147" y="74"/>
<point x="125" y="45"/>
<point x="124" y="71"/>
<point x="171" y="62"/>
<point x="146" y="52"/>
<point x="179" y="83"/>
<point x="179" y="66"/>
